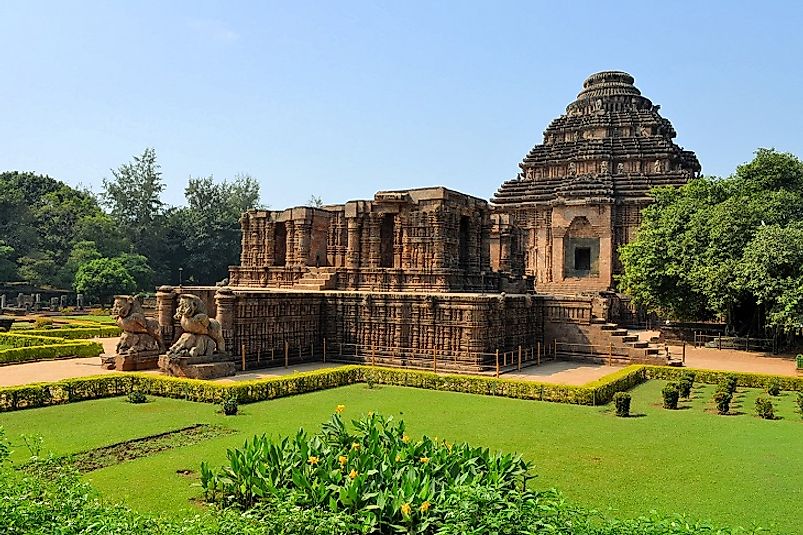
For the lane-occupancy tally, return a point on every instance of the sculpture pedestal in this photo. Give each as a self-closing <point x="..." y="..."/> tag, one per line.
<point x="214" y="367"/>
<point x="144" y="360"/>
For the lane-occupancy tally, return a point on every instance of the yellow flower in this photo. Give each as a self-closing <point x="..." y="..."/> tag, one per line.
<point x="370" y="413"/>
<point x="405" y="438"/>
<point x="398" y="457"/>
<point x="425" y="507"/>
<point x="355" y="446"/>
<point x="353" y="473"/>
<point x="312" y="460"/>
<point x="342" y="460"/>
<point x="405" y="509"/>
<point x="340" y="408"/>
<point x="425" y="460"/>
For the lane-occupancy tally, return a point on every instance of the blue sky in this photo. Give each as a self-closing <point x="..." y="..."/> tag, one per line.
<point x="341" y="99"/>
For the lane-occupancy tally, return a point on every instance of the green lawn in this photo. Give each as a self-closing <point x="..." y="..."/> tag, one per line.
<point x="735" y="470"/>
<point x="105" y="319"/>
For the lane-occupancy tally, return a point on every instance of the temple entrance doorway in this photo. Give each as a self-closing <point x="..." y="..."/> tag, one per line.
<point x="279" y="244"/>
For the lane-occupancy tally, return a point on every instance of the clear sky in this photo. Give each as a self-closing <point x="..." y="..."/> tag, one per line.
<point x="341" y="99"/>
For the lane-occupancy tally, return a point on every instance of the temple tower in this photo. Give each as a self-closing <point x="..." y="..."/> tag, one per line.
<point x="579" y="194"/>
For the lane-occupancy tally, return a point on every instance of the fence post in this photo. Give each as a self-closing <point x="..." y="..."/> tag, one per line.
<point x="610" y="354"/>
<point x="684" y="352"/>
<point x="434" y="361"/>
<point x="555" y="353"/>
<point x="259" y="354"/>
<point x="519" y="358"/>
<point x="719" y="342"/>
<point x="373" y="356"/>
<point x="242" y="352"/>
<point x="324" y="349"/>
<point x="272" y="352"/>
<point x="747" y="343"/>
<point x="497" y="364"/>
<point x="538" y="345"/>
<point x="286" y="353"/>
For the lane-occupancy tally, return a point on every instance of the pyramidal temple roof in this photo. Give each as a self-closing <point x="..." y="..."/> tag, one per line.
<point x="611" y="145"/>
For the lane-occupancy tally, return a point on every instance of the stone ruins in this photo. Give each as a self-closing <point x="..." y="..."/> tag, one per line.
<point x="436" y="279"/>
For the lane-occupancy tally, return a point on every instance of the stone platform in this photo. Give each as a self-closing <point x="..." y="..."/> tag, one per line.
<point x="215" y="367"/>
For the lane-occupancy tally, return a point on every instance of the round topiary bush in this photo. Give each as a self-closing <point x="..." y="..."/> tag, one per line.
<point x="685" y="385"/>
<point x="230" y="407"/>
<point x="723" y="401"/>
<point x="671" y="395"/>
<point x="774" y="387"/>
<point x="764" y="408"/>
<point x="799" y="403"/>
<point x="135" y="396"/>
<point x="621" y="401"/>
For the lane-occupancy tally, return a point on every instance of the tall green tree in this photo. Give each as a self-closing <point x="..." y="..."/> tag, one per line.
<point x="133" y="197"/>
<point x="702" y="247"/>
<point x="211" y="227"/>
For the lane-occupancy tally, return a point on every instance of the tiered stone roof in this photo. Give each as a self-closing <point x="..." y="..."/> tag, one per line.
<point x="610" y="145"/>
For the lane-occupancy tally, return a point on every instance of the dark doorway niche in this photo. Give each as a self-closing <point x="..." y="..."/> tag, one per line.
<point x="279" y="244"/>
<point x="386" y="232"/>
<point x="463" y="247"/>
<point x="582" y="259"/>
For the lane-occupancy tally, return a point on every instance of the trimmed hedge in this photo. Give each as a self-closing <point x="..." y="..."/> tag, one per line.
<point x="598" y="392"/>
<point x="27" y="348"/>
<point x="71" y="390"/>
<point x="713" y="377"/>
<point x="71" y="332"/>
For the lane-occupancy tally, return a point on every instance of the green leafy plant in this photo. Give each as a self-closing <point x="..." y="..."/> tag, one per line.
<point x="686" y="384"/>
<point x="230" y="406"/>
<point x="34" y="444"/>
<point x="765" y="408"/>
<point x="135" y="396"/>
<point x="5" y="448"/>
<point x="722" y="400"/>
<point x="621" y="401"/>
<point x="729" y="383"/>
<point x="379" y="474"/>
<point x="799" y="403"/>
<point x="671" y="395"/>
<point x="774" y="387"/>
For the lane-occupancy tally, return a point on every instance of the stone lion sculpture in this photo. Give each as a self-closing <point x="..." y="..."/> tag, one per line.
<point x="140" y="334"/>
<point x="203" y="336"/>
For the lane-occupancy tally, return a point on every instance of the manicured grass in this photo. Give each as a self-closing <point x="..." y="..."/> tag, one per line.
<point x="736" y="470"/>
<point x="105" y="319"/>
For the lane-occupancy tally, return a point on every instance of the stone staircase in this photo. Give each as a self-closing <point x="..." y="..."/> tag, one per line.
<point x="606" y="339"/>
<point x="317" y="279"/>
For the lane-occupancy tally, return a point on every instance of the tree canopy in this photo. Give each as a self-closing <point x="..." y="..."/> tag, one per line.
<point x="50" y="231"/>
<point x="727" y="247"/>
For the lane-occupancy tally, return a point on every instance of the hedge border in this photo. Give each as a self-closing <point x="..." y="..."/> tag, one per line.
<point x="28" y="348"/>
<point x="71" y="332"/>
<point x="599" y="392"/>
<point x="743" y="379"/>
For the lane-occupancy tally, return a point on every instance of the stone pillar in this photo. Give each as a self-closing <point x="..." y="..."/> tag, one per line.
<point x="290" y="257"/>
<point x="224" y="304"/>
<point x="373" y="240"/>
<point x="304" y="229"/>
<point x="165" y="309"/>
<point x="353" y="246"/>
<point x="505" y="239"/>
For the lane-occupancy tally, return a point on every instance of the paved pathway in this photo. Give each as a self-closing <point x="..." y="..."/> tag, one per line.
<point x="555" y="372"/>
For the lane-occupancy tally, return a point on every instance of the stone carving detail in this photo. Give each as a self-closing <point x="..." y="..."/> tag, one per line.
<point x="141" y="341"/>
<point x="612" y="132"/>
<point x="140" y="334"/>
<point x="202" y="336"/>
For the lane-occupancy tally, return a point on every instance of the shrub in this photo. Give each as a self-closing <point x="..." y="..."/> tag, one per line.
<point x="713" y="377"/>
<point x="729" y="383"/>
<point x="764" y="408"/>
<point x="774" y="388"/>
<point x="685" y="384"/>
<point x="799" y="403"/>
<point x="670" y="394"/>
<point x="723" y="401"/>
<point x="622" y="402"/>
<point x="135" y="396"/>
<point x="42" y="322"/>
<point x="230" y="406"/>
<point x="378" y="474"/>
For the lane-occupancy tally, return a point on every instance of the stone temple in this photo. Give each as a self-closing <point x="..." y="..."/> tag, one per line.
<point x="433" y="278"/>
